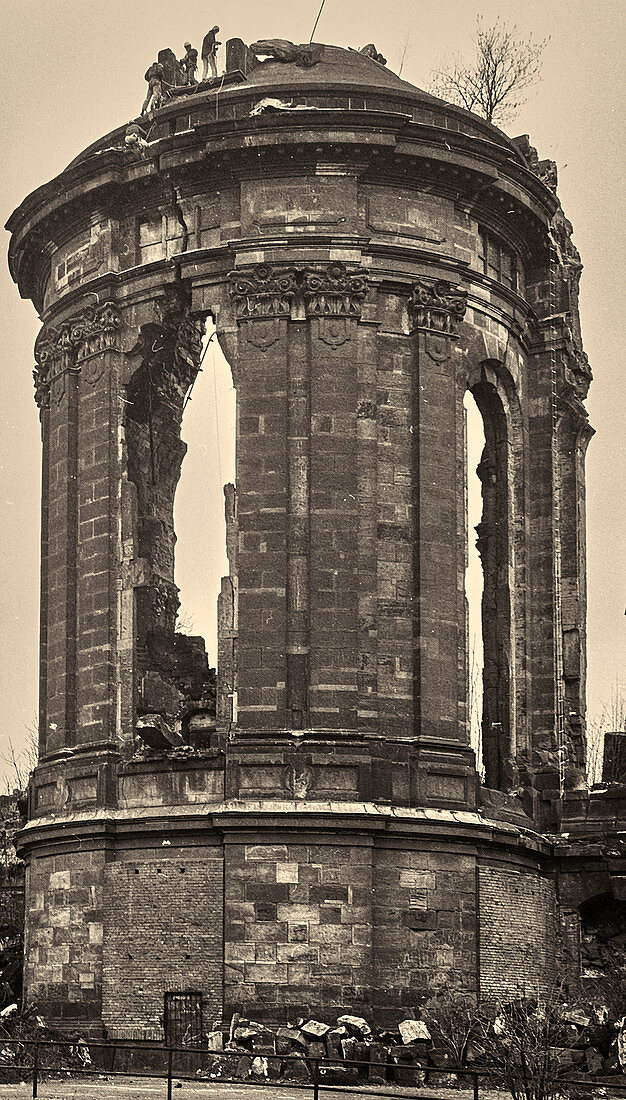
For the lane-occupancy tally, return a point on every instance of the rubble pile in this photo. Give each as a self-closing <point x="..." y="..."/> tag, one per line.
<point x="19" y="1031"/>
<point x="252" y="1050"/>
<point x="603" y="944"/>
<point x="407" y="1055"/>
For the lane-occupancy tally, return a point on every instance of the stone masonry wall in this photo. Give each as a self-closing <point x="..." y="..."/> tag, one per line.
<point x="298" y="926"/>
<point x="320" y="925"/>
<point x="63" y="942"/>
<point x="163" y="933"/>
<point x="517" y="931"/>
<point x="424" y="925"/>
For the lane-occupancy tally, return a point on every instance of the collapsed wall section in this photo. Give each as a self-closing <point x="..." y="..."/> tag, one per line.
<point x="172" y="677"/>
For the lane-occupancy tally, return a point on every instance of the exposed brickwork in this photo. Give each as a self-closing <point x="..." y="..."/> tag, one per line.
<point x="163" y="932"/>
<point x="517" y="932"/>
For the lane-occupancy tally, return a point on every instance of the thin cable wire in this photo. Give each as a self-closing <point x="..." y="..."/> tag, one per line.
<point x="202" y="358"/>
<point x="317" y="20"/>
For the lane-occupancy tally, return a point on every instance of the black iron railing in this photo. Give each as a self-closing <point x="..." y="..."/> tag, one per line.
<point x="37" y="1057"/>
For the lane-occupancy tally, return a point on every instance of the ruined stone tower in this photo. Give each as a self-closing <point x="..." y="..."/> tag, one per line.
<point x="306" y="830"/>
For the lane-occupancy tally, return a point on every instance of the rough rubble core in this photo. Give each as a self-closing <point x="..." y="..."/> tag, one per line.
<point x="304" y="832"/>
<point x="173" y="677"/>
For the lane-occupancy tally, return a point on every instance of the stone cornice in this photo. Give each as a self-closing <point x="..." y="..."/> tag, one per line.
<point x="391" y="142"/>
<point x="366" y="818"/>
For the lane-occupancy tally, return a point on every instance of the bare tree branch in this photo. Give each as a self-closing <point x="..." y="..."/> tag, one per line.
<point x="493" y="84"/>
<point x="19" y="763"/>
<point x="610" y="718"/>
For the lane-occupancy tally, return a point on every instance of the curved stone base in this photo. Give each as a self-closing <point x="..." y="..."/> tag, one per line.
<point x="276" y="909"/>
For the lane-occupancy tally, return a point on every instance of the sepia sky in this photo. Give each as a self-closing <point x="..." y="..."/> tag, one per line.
<point x="74" y="70"/>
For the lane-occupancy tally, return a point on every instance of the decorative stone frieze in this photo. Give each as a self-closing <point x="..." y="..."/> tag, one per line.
<point x="71" y="344"/>
<point x="263" y="291"/>
<point x="437" y="307"/>
<point x="334" y="292"/>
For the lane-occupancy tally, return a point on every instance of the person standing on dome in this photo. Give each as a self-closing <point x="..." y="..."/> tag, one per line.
<point x="154" y="99"/>
<point x="209" y="53"/>
<point x="189" y="64"/>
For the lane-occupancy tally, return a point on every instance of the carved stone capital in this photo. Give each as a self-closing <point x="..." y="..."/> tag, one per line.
<point x="574" y="374"/>
<point x="437" y="306"/>
<point x="96" y="330"/>
<point x="334" y="292"/>
<point x="65" y="347"/>
<point x="263" y="291"/>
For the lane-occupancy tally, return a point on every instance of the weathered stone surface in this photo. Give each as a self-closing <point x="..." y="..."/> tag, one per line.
<point x="260" y="1067"/>
<point x="339" y="1075"/>
<point x="594" y="1061"/>
<point x="341" y="853"/>
<point x="356" y="1025"/>
<point x="296" y="1069"/>
<point x="315" y="1029"/>
<point x="411" y="1030"/>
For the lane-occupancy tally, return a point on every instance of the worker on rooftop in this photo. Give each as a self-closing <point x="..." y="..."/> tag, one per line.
<point x="209" y="53"/>
<point x="154" y="99"/>
<point x="189" y="64"/>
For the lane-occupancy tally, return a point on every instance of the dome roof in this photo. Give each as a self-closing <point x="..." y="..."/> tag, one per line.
<point x="331" y="77"/>
<point x="336" y="66"/>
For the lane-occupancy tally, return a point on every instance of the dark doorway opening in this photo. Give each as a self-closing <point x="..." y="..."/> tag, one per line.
<point x="182" y="1019"/>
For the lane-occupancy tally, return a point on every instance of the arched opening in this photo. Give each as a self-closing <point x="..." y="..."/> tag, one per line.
<point x="487" y="584"/>
<point x="603" y="948"/>
<point x="173" y="525"/>
<point x="474" y="447"/>
<point x="208" y="429"/>
<point x="201" y="504"/>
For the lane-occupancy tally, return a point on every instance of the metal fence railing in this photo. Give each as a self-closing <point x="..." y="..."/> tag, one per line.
<point x="39" y="1057"/>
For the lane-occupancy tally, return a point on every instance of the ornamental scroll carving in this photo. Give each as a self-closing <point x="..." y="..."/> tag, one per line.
<point x="574" y="376"/>
<point x="577" y="375"/>
<point x="334" y="292"/>
<point x="73" y="346"/>
<point x="437" y="307"/>
<point x="263" y="291"/>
